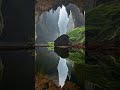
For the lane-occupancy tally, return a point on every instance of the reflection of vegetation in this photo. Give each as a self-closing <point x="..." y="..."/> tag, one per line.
<point x="78" y="56"/>
<point x="105" y="73"/>
<point x="77" y="35"/>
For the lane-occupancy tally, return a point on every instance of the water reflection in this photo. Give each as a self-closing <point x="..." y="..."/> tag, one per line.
<point x="63" y="71"/>
<point x="16" y="70"/>
<point x="56" y="68"/>
<point x="102" y="69"/>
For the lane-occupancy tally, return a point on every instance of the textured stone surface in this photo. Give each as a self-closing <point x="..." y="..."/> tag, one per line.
<point x="45" y="5"/>
<point x="43" y="83"/>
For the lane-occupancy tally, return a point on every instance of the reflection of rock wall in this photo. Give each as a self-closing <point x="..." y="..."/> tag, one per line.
<point x="1" y="68"/>
<point x="63" y="40"/>
<point x="18" y="72"/>
<point x="46" y="63"/>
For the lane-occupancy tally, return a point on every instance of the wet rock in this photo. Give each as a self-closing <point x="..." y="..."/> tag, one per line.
<point x="60" y="51"/>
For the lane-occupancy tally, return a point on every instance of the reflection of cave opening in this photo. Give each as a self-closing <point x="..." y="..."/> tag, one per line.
<point x="53" y="23"/>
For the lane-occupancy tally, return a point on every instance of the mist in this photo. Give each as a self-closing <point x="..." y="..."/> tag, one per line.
<point x="63" y="20"/>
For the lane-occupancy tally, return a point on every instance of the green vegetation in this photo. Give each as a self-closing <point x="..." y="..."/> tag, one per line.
<point x="51" y="44"/>
<point x="103" y="23"/>
<point x="77" y="35"/>
<point x="102" y="26"/>
<point x="101" y="69"/>
<point x="77" y="55"/>
<point x="51" y="48"/>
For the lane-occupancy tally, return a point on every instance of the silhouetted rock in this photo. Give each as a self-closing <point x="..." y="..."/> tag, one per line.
<point x="63" y="40"/>
<point x="62" y="52"/>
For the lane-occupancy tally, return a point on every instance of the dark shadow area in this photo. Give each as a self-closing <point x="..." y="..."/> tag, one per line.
<point x="18" y="30"/>
<point x="103" y="69"/>
<point x="62" y="52"/>
<point x="18" y="71"/>
<point x="18" y="17"/>
<point x="63" y="40"/>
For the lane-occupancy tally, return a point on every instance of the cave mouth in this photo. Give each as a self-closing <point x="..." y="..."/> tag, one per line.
<point x="54" y="23"/>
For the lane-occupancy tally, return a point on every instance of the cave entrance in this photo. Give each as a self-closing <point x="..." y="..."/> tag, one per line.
<point x="50" y="25"/>
<point x="56" y="22"/>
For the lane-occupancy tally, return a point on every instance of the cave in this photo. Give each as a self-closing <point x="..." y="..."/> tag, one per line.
<point x="63" y="40"/>
<point x="52" y="21"/>
<point x="56" y="18"/>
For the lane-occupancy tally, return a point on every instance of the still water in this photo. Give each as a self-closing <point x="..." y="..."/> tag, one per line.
<point x="57" y="70"/>
<point x="16" y="70"/>
<point x="74" y="70"/>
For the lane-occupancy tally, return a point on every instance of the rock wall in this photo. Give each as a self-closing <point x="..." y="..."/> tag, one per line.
<point x="18" y="16"/>
<point x="47" y="29"/>
<point x="44" y="5"/>
<point x="78" y="17"/>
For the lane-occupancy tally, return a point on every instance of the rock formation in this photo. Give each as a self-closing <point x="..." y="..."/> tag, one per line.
<point x="47" y="29"/>
<point x="45" y="5"/>
<point x="63" y="40"/>
<point x="78" y="17"/>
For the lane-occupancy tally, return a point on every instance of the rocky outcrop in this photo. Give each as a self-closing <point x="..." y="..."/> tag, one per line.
<point x="46" y="63"/>
<point x="63" y="40"/>
<point x="77" y="15"/>
<point x="45" y="5"/>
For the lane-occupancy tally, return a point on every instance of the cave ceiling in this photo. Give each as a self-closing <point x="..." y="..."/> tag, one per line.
<point x="46" y="5"/>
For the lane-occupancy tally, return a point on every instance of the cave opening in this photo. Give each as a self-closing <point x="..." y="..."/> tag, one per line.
<point x="56" y="22"/>
<point x="51" y="25"/>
